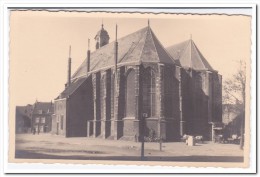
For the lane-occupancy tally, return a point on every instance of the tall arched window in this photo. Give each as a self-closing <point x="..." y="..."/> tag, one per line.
<point x="149" y="92"/>
<point x="102" y="93"/>
<point x="130" y="94"/>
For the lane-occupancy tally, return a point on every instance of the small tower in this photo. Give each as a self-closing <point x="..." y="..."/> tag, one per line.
<point x="102" y="37"/>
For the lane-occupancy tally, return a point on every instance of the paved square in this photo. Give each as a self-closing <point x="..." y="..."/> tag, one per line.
<point x="46" y="146"/>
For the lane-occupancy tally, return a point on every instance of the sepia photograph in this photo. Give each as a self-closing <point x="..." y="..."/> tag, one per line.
<point x="104" y="86"/>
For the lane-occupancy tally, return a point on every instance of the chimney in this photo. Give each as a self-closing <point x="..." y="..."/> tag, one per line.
<point x="69" y="68"/>
<point x="88" y="57"/>
<point x="116" y="51"/>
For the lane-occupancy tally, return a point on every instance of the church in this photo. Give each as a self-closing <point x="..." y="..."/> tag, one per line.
<point x="173" y="90"/>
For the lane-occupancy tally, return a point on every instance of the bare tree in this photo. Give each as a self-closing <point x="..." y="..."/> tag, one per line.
<point x="234" y="93"/>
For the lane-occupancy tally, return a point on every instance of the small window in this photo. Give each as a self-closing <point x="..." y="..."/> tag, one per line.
<point x="43" y="120"/>
<point x="37" y="120"/>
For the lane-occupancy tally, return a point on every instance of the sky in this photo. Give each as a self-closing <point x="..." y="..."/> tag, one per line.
<point x="40" y="40"/>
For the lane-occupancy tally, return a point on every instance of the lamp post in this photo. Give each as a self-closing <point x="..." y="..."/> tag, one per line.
<point x="142" y="133"/>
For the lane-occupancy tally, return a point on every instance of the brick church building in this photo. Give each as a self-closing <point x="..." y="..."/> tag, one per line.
<point x="174" y="89"/>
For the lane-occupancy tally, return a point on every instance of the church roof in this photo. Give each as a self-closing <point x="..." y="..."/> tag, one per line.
<point x="139" y="47"/>
<point x="189" y="56"/>
<point x="71" y="88"/>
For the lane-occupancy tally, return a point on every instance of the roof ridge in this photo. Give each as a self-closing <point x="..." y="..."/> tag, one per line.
<point x="184" y="49"/>
<point x="203" y="59"/>
<point x="153" y="43"/>
<point x="144" y="44"/>
<point x="200" y="59"/>
<point x="160" y="44"/>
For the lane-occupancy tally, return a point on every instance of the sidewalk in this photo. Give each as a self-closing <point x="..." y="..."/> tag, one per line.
<point x="46" y="146"/>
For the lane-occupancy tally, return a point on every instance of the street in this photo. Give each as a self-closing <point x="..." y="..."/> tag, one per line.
<point x="47" y="146"/>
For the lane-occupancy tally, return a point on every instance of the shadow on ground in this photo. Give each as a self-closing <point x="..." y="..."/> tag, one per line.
<point x="33" y="155"/>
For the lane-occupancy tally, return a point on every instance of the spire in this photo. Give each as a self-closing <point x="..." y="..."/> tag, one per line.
<point x="190" y="36"/>
<point x="116" y="50"/>
<point x="88" y="43"/>
<point x="88" y="57"/>
<point x="102" y="25"/>
<point x="148" y="22"/>
<point x="116" y="32"/>
<point x="69" y="68"/>
<point x="70" y="52"/>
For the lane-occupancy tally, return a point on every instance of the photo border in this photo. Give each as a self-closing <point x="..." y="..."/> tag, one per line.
<point x="48" y="168"/>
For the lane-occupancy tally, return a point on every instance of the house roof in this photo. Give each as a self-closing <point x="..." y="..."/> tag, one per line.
<point x="139" y="47"/>
<point x="71" y="88"/>
<point x="24" y="110"/>
<point x="45" y="107"/>
<point x="189" y="56"/>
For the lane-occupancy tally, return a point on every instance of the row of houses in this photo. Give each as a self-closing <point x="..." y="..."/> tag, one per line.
<point x="35" y="117"/>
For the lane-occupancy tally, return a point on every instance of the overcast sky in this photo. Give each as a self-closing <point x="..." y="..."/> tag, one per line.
<point x="39" y="44"/>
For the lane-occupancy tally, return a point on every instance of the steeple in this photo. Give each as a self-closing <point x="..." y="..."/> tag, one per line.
<point x="102" y="37"/>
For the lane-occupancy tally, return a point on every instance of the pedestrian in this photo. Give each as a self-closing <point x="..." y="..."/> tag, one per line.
<point x="34" y="131"/>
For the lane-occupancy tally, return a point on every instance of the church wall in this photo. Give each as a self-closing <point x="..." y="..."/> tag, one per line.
<point x="105" y="103"/>
<point x="172" y="102"/>
<point x="96" y="104"/>
<point x="187" y="99"/>
<point x="117" y="103"/>
<point x="121" y="101"/>
<point x="80" y="105"/>
<point x="217" y="95"/>
<point x="210" y="96"/>
<point x="200" y="104"/>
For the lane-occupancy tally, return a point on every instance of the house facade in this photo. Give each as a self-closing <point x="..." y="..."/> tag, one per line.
<point x="42" y="117"/>
<point x="135" y="85"/>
